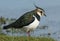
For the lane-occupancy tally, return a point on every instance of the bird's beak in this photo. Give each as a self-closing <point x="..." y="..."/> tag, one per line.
<point x="45" y="15"/>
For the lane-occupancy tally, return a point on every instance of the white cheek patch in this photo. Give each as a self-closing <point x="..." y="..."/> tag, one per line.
<point x="39" y="13"/>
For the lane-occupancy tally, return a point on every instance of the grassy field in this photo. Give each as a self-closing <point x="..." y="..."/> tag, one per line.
<point x="23" y="38"/>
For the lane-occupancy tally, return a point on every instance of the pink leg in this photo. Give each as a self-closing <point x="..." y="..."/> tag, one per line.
<point x="28" y="33"/>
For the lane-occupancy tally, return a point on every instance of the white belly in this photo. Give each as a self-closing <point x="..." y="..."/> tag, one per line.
<point x="31" y="26"/>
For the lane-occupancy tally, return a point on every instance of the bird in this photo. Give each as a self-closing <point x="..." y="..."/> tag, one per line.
<point x="29" y="21"/>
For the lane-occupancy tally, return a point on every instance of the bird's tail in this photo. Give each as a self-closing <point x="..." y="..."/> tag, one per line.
<point x="7" y="27"/>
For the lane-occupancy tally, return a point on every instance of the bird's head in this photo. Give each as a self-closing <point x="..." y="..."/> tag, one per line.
<point x="40" y="11"/>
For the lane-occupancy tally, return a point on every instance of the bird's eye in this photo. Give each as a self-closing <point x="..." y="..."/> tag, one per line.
<point x="40" y="11"/>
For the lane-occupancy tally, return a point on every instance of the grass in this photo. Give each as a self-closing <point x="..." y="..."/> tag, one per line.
<point x="24" y="38"/>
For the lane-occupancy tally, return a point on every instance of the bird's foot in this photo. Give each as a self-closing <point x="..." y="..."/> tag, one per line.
<point x="28" y="33"/>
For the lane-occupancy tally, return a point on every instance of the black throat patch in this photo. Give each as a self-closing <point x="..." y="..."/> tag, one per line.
<point x="37" y="16"/>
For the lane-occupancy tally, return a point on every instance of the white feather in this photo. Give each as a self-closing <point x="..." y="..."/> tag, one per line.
<point x="31" y="26"/>
<point x="39" y="14"/>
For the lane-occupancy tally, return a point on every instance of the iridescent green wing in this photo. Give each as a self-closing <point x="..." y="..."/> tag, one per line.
<point x="24" y="20"/>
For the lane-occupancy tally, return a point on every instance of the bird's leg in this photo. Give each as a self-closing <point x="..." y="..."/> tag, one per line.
<point x="28" y="33"/>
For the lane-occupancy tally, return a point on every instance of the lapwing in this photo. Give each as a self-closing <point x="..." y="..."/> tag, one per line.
<point x="28" y="21"/>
